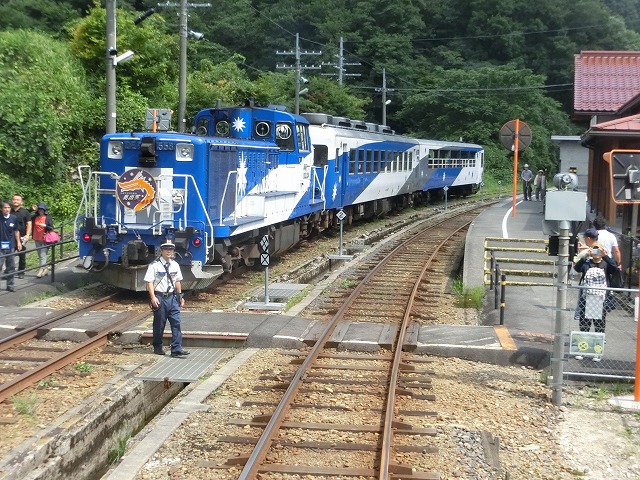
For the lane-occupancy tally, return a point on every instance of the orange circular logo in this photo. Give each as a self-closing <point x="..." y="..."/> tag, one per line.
<point x="136" y="189"/>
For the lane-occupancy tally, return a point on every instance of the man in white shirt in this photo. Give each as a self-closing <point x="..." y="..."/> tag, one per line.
<point x="164" y="284"/>
<point x="608" y="239"/>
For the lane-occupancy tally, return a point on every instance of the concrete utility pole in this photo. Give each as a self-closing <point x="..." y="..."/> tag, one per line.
<point x="110" y="122"/>
<point x="298" y="68"/>
<point x="341" y="64"/>
<point x="384" y="91"/>
<point x="184" y="32"/>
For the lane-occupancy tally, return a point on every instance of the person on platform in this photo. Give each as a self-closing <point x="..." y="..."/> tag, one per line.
<point x="540" y="184"/>
<point x="24" y="226"/>
<point x="41" y="223"/>
<point x="608" y="239"/>
<point x="527" y="176"/>
<point x="164" y="284"/>
<point x="597" y="268"/>
<point x="9" y="243"/>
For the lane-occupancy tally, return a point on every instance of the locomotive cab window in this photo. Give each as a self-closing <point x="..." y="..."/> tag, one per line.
<point x="302" y="132"/>
<point x="284" y="137"/>
<point x="320" y="155"/>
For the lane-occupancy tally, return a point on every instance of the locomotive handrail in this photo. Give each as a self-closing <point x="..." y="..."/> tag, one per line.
<point x="321" y="185"/>
<point x="224" y="194"/>
<point x="209" y="237"/>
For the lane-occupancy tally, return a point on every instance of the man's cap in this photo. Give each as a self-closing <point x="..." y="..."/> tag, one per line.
<point x="591" y="233"/>
<point x="598" y="245"/>
<point x="526" y="165"/>
<point x="540" y="171"/>
<point x="168" y="245"/>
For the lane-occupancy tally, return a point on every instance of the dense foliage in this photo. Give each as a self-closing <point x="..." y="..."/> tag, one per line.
<point x="454" y="69"/>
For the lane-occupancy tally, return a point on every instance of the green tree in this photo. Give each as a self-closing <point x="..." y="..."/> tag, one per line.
<point x="44" y="105"/>
<point x="479" y="103"/>
<point x="43" y="15"/>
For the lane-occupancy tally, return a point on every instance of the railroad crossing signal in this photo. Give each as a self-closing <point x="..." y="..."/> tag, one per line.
<point x="624" y="166"/>
<point x="264" y="259"/>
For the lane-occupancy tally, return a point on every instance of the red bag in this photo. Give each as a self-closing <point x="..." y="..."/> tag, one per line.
<point x="51" y="237"/>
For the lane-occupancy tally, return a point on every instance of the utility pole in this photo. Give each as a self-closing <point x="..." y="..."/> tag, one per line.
<point x="384" y="91"/>
<point x="184" y="32"/>
<point x="298" y="68"/>
<point x="341" y="64"/>
<point x="110" y="122"/>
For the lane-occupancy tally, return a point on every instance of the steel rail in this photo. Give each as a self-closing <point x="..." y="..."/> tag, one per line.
<point x="29" y="378"/>
<point x="388" y="429"/>
<point x="32" y="331"/>
<point x="254" y="461"/>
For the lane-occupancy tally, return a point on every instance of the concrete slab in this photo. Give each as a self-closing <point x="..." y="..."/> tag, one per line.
<point x="627" y="402"/>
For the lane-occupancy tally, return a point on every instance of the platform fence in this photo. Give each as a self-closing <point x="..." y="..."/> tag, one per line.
<point x="594" y="355"/>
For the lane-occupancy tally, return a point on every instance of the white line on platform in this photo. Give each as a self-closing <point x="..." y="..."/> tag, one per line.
<point x="505" y="233"/>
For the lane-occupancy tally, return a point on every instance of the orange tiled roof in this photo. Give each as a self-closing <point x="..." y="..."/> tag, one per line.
<point x="605" y="81"/>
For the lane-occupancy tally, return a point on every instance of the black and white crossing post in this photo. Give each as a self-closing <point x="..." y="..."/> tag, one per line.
<point x="264" y="261"/>
<point x="445" y="188"/>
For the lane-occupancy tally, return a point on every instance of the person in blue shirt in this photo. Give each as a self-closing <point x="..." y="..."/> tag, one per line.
<point x="9" y="242"/>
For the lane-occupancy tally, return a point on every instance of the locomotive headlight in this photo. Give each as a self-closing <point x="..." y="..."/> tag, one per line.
<point x="184" y="152"/>
<point x="115" y="149"/>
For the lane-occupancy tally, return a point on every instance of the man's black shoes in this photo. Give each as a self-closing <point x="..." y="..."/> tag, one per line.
<point x="181" y="353"/>
<point x="11" y="289"/>
<point x="160" y="352"/>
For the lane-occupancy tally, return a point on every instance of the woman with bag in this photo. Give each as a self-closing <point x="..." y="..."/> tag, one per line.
<point x="41" y="224"/>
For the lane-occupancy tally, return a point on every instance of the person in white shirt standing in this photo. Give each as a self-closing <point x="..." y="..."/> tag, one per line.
<point x="164" y="284"/>
<point x="608" y="239"/>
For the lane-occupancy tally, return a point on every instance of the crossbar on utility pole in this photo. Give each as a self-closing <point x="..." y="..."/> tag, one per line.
<point x="298" y="68"/>
<point x="182" y="82"/>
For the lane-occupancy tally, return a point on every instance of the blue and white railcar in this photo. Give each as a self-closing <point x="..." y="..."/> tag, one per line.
<point x="370" y="167"/>
<point x="247" y="172"/>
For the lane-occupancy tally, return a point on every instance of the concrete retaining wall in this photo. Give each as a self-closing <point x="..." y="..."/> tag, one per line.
<point x="79" y="445"/>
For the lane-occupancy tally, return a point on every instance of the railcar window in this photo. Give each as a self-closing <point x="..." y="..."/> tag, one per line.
<point x="367" y="160"/>
<point x="352" y="161"/>
<point x="411" y="165"/>
<point x="405" y="155"/>
<point x="284" y="136"/>
<point x="320" y="155"/>
<point x="337" y="162"/>
<point x="360" y="156"/>
<point x="376" y="161"/>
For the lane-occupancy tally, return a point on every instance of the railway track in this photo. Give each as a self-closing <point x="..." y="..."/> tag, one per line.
<point x="28" y="364"/>
<point x="371" y="410"/>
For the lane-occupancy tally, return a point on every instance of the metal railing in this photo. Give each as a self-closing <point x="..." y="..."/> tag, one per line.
<point x="57" y="252"/>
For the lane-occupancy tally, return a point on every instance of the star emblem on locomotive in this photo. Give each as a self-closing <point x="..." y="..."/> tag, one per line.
<point x="239" y="124"/>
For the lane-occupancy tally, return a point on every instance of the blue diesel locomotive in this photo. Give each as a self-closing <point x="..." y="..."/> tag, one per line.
<point x="246" y="172"/>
